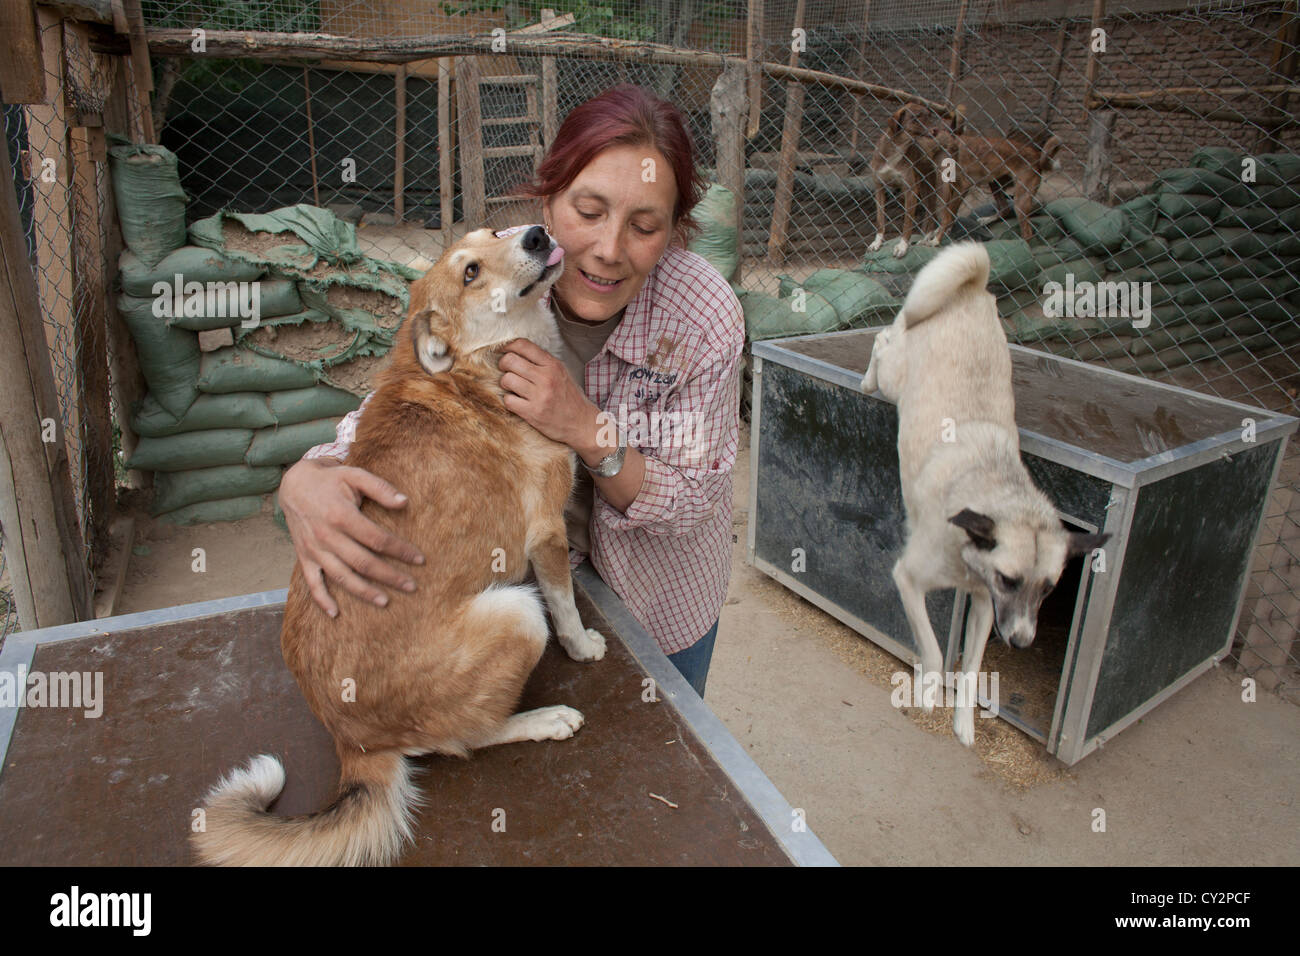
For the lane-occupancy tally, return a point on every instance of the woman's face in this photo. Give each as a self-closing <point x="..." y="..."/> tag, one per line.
<point x="614" y="221"/>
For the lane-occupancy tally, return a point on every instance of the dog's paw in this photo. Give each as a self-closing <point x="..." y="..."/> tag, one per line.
<point x="553" y="723"/>
<point x="877" y="243"/>
<point x="900" y="249"/>
<point x="587" y="646"/>
<point x="930" y="240"/>
<point x="963" y="725"/>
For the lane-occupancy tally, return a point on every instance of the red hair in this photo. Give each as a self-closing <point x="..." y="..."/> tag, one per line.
<point x="625" y="115"/>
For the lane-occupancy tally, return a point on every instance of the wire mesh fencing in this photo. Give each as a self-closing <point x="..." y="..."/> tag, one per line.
<point x="1156" y="148"/>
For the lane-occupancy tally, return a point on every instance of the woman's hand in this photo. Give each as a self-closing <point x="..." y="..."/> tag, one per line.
<point x="321" y="499"/>
<point x="540" y="390"/>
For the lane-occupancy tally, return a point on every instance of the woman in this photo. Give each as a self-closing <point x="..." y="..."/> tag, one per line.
<point x="649" y="400"/>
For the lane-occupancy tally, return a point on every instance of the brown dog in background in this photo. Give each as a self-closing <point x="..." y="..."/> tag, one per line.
<point x="904" y="160"/>
<point x="966" y="161"/>
<point x="439" y="670"/>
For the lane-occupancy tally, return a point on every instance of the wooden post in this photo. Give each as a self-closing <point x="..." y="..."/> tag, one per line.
<point x="399" y="174"/>
<point x="22" y="78"/>
<point x="790" y="130"/>
<point x="727" y="109"/>
<point x="446" y="151"/>
<point x="954" y="68"/>
<point x="140" y="65"/>
<point x="754" y="65"/>
<point x="1101" y="123"/>
<point x="473" y="189"/>
<point x="43" y="545"/>
<point x="859" y="105"/>
<point x="1050" y="106"/>
<point x="1285" y="59"/>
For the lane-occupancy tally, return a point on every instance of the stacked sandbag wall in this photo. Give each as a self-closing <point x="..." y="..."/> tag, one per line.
<point x="254" y="339"/>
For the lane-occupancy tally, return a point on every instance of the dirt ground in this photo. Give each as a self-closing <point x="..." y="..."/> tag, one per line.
<point x="1205" y="779"/>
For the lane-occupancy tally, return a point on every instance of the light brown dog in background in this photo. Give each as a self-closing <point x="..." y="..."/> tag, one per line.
<point x="440" y="670"/>
<point x="903" y="160"/>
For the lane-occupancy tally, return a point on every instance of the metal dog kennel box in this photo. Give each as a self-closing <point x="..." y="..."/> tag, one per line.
<point x="1170" y="473"/>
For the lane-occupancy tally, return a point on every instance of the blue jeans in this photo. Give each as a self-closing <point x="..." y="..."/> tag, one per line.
<point x="693" y="663"/>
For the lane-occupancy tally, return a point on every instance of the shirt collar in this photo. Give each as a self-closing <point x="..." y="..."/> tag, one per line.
<point x="630" y="341"/>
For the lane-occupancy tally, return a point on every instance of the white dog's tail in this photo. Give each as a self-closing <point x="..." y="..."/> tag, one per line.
<point x="944" y="278"/>
<point x="367" y="825"/>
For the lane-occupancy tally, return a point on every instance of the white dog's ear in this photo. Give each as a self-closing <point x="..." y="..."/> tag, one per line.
<point x="979" y="527"/>
<point x="431" y="351"/>
<point x="1085" y="543"/>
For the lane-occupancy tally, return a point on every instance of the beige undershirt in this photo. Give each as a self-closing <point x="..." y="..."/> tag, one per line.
<point x="582" y="341"/>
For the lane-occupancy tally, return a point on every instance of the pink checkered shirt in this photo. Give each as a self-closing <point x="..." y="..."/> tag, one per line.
<point x="670" y="376"/>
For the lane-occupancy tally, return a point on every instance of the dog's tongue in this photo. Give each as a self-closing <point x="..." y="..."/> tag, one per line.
<point x="556" y="255"/>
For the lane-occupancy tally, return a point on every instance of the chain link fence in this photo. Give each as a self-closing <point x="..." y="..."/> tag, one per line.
<point x="1151" y="118"/>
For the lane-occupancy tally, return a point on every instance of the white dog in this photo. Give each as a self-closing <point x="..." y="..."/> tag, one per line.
<point x="975" y="520"/>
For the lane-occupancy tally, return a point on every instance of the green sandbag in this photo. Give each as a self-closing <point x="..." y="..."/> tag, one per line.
<point x="1205" y="182"/>
<point x="1281" y="196"/>
<point x="1141" y="212"/>
<point x="382" y="324"/>
<point x="1187" y="226"/>
<point x="286" y="444"/>
<point x="191" y="263"/>
<point x="169" y="358"/>
<point x="1062" y="250"/>
<point x="1018" y="300"/>
<point x="1046" y="228"/>
<point x="1139" y="254"/>
<point x="150" y="201"/>
<point x="1170" y="270"/>
<point x="205" y="449"/>
<point x="854" y="296"/>
<point x="1176" y="205"/>
<point x="883" y="259"/>
<point x="1284" y="166"/>
<point x="1095" y="227"/>
<point x="767" y="317"/>
<point x="233" y="306"/>
<point x="309" y="338"/>
<point x="1011" y="264"/>
<point x="234" y="369"/>
<point x="716" y="241"/>
<point x="1084" y="270"/>
<point x="176" y="489"/>
<point x="1250" y="217"/>
<point x="1245" y="243"/>
<point x="1223" y="160"/>
<point x="304" y="404"/>
<point x="1258" y="267"/>
<point x="210" y="512"/>
<point x="238" y="410"/>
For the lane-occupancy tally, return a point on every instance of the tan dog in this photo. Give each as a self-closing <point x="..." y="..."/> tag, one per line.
<point x="903" y="160"/>
<point x="966" y="161"/>
<point x="439" y="670"/>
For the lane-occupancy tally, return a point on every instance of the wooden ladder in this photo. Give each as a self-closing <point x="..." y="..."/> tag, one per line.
<point x="470" y="122"/>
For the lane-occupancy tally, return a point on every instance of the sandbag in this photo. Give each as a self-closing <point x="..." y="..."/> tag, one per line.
<point x="304" y="404"/>
<point x="1141" y="213"/>
<point x="192" y="263"/>
<point x="1250" y="217"/>
<point x="231" y="307"/>
<point x="234" y="369"/>
<point x="717" y="239"/>
<point x="1011" y="264"/>
<point x="205" y="449"/>
<point x="1284" y="166"/>
<point x="1170" y="270"/>
<point x="1258" y="267"/>
<point x="1096" y="227"/>
<point x="1187" y="226"/>
<point x="1139" y="254"/>
<point x="176" y="489"/>
<point x="309" y="338"/>
<point x="767" y="317"/>
<point x="169" y="357"/>
<point x="854" y="296"/>
<point x="883" y="259"/>
<point x="1205" y="182"/>
<point x="1046" y="228"/>
<point x="1175" y="205"/>
<point x="286" y="444"/>
<point x="237" y="410"/>
<point x="210" y="512"/>
<point x="373" y="313"/>
<point x="150" y="201"/>
<point x="1090" y="269"/>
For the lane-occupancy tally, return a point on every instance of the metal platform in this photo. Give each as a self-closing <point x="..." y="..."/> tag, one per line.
<point x="190" y="692"/>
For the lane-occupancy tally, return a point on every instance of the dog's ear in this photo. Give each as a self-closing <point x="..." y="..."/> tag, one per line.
<point x="431" y="350"/>
<point x="1085" y="543"/>
<point x="896" y="121"/>
<point x="978" y="526"/>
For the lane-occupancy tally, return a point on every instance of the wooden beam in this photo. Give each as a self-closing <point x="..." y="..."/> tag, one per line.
<point x="1062" y="36"/>
<point x="399" y="172"/>
<point x="140" y="66"/>
<point x="550" y="76"/>
<point x="473" y="188"/>
<point x="22" y="74"/>
<point x="90" y="11"/>
<point x="954" y="67"/>
<point x="753" y="65"/>
<point x="446" y="151"/>
<point x="311" y="138"/>
<point x="859" y="107"/>
<point x="1285" y="59"/>
<point x="43" y="545"/>
<point x="790" y="129"/>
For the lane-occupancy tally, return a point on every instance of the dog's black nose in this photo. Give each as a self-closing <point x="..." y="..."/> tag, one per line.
<point x="535" y="239"/>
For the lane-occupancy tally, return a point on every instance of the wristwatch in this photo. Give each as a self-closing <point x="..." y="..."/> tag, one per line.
<point x="611" y="464"/>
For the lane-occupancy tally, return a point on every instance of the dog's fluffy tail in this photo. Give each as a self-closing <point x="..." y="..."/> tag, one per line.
<point x="367" y="825"/>
<point x="1047" y="154"/>
<point x="945" y="277"/>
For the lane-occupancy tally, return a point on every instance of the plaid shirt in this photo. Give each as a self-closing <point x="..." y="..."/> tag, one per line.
<point x="670" y="376"/>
